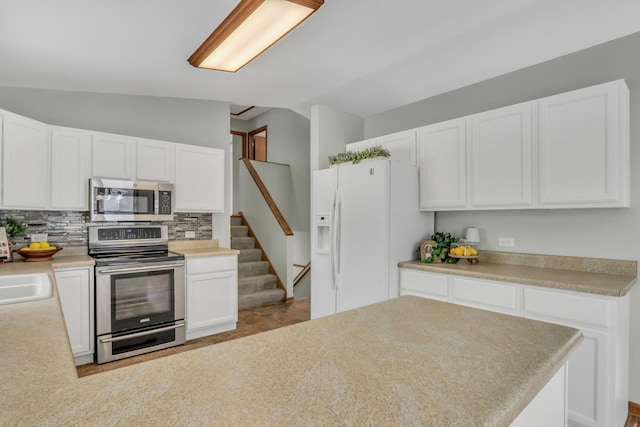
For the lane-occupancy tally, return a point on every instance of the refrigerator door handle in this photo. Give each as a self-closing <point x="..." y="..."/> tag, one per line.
<point x="336" y="252"/>
<point x="332" y="243"/>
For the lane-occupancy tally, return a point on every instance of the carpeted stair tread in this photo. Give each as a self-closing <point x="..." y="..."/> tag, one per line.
<point x="256" y="283"/>
<point x="252" y="268"/>
<point x="239" y="231"/>
<point x="260" y="298"/>
<point x="236" y="220"/>
<point x="243" y="243"/>
<point x="248" y="255"/>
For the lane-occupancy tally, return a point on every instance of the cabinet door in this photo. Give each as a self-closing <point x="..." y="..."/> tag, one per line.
<point x="113" y="156"/>
<point x="199" y="180"/>
<point x="361" y="145"/>
<point x="154" y="160"/>
<point x="70" y="168"/>
<point x="443" y="165"/>
<point x="212" y="300"/>
<point x="423" y="284"/>
<point x="487" y="295"/>
<point x="401" y="146"/>
<point x="501" y="158"/>
<point x="584" y="147"/>
<point x="75" y="288"/>
<point x="25" y="163"/>
<point x="590" y="402"/>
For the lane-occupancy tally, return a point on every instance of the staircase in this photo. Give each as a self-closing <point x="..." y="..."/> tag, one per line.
<point x="256" y="285"/>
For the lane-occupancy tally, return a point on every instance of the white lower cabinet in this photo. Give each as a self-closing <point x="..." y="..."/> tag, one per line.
<point x="75" y="288"/>
<point x="212" y="295"/>
<point x="598" y="385"/>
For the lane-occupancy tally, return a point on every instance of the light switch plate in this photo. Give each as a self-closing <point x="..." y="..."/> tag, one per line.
<point x="39" y="237"/>
<point x="190" y="234"/>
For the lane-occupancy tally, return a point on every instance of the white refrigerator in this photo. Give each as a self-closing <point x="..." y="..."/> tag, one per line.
<point x="366" y="219"/>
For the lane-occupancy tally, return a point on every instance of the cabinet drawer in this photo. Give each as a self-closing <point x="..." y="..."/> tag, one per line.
<point x="500" y="297"/>
<point x="211" y="264"/>
<point x="562" y="306"/>
<point x="427" y="285"/>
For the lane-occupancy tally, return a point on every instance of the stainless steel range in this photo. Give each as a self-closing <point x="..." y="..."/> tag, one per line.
<point x="140" y="291"/>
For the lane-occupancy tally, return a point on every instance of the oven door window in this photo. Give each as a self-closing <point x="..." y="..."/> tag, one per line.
<point x="142" y="299"/>
<point x="124" y="201"/>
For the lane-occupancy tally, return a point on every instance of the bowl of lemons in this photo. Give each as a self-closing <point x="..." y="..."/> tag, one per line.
<point x="38" y="251"/>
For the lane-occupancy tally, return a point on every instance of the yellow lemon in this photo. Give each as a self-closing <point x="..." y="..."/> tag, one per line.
<point x="51" y="247"/>
<point x="34" y="245"/>
<point x="26" y="249"/>
<point x="44" y="245"/>
<point x="473" y="252"/>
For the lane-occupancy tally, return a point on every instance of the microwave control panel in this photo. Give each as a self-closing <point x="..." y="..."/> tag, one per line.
<point x="164" y="202"/>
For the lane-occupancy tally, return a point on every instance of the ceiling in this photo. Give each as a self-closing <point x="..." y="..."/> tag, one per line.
<point x="359" y="56"/>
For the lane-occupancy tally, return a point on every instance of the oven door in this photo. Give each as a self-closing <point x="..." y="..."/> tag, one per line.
<point x="139" y="308"/>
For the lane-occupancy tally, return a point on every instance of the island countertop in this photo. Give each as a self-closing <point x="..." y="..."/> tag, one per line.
<point x="407" y="361"/>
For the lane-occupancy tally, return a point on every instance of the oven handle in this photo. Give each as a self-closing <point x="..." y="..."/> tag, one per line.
<point x="141" y="334"/>
<point x="130" y="269"/>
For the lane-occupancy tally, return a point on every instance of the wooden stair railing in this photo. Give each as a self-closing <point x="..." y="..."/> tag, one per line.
<point x="267" y="197"/>
<point x="303" y="272"/>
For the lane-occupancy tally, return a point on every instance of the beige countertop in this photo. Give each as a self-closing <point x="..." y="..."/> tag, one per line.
<point x="199" y="248"/>
<point x="596" y="276"/>
<point x="407" y="361"/>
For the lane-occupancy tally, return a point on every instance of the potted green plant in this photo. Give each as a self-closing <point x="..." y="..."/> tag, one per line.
<point x="358" y="156"/>
<point x="13" y="228"/>
<point x="440" y="248"/>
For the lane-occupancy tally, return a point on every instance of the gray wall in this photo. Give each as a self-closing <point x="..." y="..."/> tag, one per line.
<point x="331" y="131"/>
<point x="598" y="233"/>
<point x="187" y="121"/>
<point x="288" y="143"/>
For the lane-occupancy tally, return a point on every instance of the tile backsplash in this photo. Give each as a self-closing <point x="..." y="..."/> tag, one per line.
<point x="69" y="228"/>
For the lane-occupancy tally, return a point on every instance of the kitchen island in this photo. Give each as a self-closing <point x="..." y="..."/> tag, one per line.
<point x="407" y="361"/>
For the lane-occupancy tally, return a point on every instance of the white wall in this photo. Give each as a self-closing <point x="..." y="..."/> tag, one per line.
<point x="597" y="233"/>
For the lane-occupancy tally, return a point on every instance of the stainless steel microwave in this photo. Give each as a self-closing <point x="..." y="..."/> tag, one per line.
<point x="116" y="200"/>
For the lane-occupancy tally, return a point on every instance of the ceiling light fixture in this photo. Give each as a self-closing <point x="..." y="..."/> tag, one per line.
<point x="250" y="29"/>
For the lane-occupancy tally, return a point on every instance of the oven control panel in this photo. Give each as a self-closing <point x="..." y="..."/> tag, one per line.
<point x="129" y="233"/>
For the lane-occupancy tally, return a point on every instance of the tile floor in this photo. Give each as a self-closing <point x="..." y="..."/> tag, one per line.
<point x="250" y="321"/>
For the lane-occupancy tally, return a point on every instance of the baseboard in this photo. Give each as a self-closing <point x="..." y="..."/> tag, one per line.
<point x="634" y="409"/>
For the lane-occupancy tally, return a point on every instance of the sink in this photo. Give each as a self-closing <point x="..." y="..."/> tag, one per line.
<point x="24" y="287"/>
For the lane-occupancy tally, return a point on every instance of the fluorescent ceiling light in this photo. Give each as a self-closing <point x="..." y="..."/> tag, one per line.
<point x="249" y="30"/>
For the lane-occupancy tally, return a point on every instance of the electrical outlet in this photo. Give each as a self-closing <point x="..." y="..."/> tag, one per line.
<point x="190" y="234"/>
<point x="41" y="237"/>
<point x="507" y="242"/>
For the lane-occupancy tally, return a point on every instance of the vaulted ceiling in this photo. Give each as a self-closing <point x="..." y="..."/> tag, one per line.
<point x="360" y="56"/>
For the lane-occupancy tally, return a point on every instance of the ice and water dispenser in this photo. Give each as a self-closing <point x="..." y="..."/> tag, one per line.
<point x="323" y="233"/>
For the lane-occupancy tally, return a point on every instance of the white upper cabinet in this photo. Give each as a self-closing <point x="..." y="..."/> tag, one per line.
<point x="70" y="168"/>
<point x="113" y="156"/>
<point x="25" y="163"/>
<point x="155" y="160"/>
<point x="584" y="147"/>
<point x="443" y="165"/>
<point x="500" y="152"/>
<point x="401" y="146"/>
<point x="199" y="183"/>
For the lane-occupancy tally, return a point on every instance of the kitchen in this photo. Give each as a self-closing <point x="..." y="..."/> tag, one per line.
<point x="608" y="233"/>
